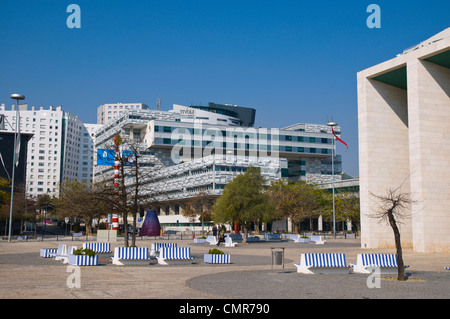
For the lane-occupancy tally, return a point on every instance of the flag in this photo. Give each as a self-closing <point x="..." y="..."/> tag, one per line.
<point x="339" y="139"/>
<point x="17" y="150"/>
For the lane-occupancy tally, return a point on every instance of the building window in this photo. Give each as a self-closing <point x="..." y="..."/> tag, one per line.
<point x="300" y="149"/>
<point x="312" y="150"/>
<point x="312" y="139"/>
<point x="167" y="129"/>
<point x="167" y="141"/>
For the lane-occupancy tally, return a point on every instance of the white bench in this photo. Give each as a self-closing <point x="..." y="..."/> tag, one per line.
<point x="131" y="256"/>
<point x="175" y="255"/>
<point x="65" y="253"/>
<point x="386" y="262"/>
<point x="317" y="240"/>
<point x="229" y="242"/>
<point x="156" y="247"/>
<point x="98" y="248"/>
<point x="212" y="240"/>
<point x="322" y="263"/>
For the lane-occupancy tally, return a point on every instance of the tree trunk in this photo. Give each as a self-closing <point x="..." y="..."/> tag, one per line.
<point x="398" y="245"/>
<point x="244" y="240"/>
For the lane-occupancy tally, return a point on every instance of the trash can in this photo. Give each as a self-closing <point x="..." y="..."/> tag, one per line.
<point x="277" y="257"/>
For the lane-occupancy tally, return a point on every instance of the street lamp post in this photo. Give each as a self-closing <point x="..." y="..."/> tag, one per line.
<point x="16" y="97"/>
<point x="333" y="124"/>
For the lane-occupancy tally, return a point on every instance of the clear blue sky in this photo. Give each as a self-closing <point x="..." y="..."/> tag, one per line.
<point x="293" y="61"/>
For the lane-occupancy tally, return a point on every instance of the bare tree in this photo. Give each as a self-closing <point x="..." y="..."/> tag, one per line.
<point x="392" y="209"/>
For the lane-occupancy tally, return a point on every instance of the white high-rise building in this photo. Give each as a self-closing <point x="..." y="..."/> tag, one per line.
<point x="108" y="112"/>
<point x="60" y="149"/>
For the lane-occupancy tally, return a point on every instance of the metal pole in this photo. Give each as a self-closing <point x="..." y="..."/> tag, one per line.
<point x="332" y="181"/>
<point x="13" y="172"/>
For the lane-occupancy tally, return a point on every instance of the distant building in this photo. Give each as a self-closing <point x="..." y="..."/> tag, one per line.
<point x="61" y="147"/>
<point x="108" y="112"/>
<point x="192" y="151"/>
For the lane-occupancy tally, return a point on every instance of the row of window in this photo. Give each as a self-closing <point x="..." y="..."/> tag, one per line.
<point x="262" y="147"/>
<point x="170" y="129"/>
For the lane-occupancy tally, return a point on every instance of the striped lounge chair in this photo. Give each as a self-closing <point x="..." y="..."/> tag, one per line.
<point x="48" y="252"/>
<point x="131" y="256"/>
<point x="175" y="255"/>
<point x="386" y="262"/>
<point x="98" y="248"/>
<point x="156" y="247"/>
<point x="322" y="264"/>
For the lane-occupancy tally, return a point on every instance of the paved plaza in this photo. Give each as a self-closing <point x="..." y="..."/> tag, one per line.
<point x="251" y="275"/>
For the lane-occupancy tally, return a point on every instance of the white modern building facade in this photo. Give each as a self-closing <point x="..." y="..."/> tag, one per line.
<point x="191" y="151"/>
<point x="61" y="147"/>
<point x="108" y="112"/>
<point x="403" y="116"/>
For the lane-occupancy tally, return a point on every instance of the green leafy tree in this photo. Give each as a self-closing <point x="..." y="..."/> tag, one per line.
<point x="244" y="200"/>
<point x="296" y="201"/>
<point x="81" y="200"/>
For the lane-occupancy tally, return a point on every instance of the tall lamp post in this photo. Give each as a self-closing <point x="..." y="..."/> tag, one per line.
<point x="16" y="97"/>
<point x="333" y="124"/>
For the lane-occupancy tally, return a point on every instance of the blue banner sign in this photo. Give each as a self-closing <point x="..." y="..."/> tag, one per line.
<point x="106" y="157"/>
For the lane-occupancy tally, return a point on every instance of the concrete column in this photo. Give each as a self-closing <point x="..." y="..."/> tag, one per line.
<point x="383" y="155"/>
<point x="429" y="139"/>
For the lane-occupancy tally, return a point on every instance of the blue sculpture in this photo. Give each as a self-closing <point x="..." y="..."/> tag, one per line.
<point x="151" y="226"/>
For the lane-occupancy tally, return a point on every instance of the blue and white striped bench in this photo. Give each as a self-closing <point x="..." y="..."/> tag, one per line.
<point x="175" y="255"/>
<point x="156" y="247"/>
<point x="131" y="256"/>
<point x="48" y="252"/>
<point x="217" y="258"/>
<point x="322" y="264"/>
<point x="83" y="260"/>
<point x="98" y="248"/>
<point x="386" y="262"/>
<point x="448" y="268"/>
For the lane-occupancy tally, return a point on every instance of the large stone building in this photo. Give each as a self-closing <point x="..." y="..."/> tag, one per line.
<point x="404" y="116"/>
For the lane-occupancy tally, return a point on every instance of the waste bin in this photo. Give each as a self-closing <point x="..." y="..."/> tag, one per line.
<point x="278" y="256"/>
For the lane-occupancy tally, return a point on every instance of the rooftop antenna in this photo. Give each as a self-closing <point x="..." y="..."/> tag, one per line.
<point x="158" y="104"/>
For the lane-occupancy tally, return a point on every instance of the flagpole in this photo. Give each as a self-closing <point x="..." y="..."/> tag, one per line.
<point x="16" y="97"/>
<point x="333" y="124"/>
